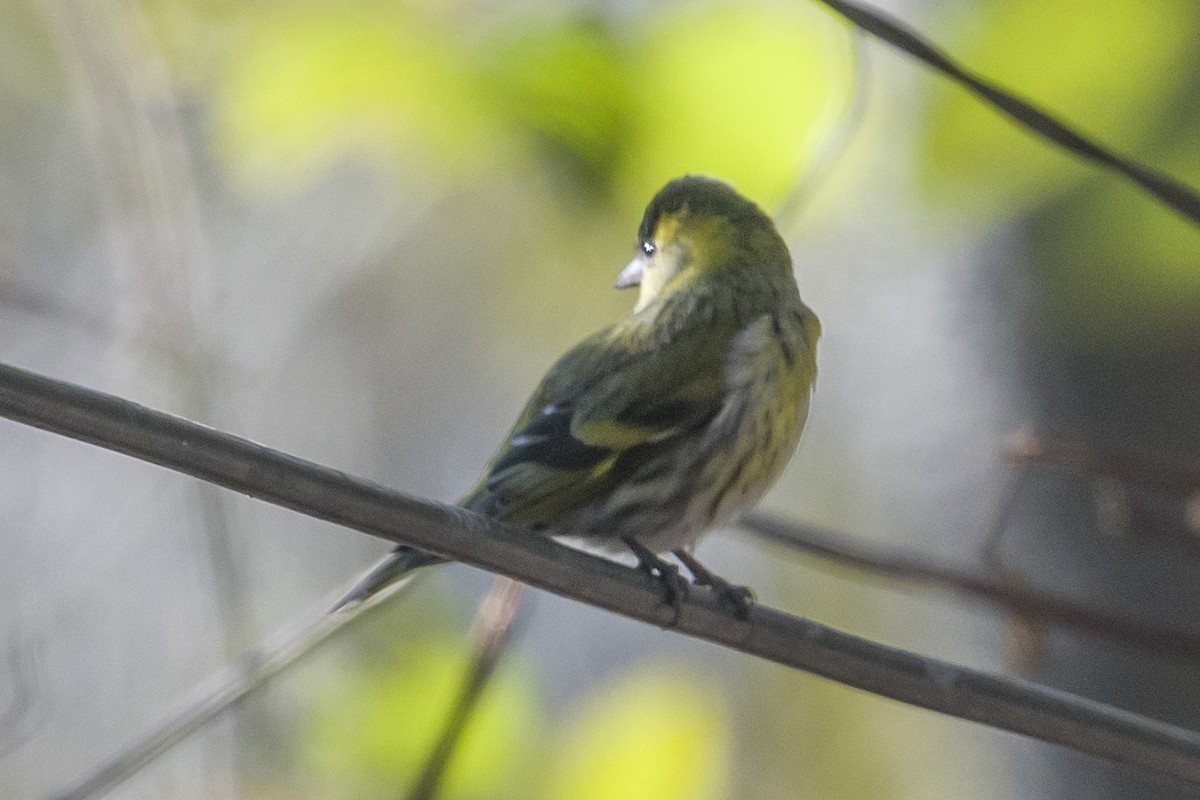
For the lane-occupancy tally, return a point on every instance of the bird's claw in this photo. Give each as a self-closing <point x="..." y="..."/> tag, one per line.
<point x="738" y="599"/>
<point x="674" y="585"/>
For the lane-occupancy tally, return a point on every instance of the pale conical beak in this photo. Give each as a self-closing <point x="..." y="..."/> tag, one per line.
<point x="631" y="275"/>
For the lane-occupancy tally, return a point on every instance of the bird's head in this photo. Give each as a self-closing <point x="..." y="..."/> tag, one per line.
<point x="697" y="228"/>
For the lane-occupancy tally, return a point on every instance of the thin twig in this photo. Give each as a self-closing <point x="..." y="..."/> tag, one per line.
<point x="144" y="177"/>
<point x="1114" y="474"/>
<point x="996" y="588"/>
<point x="226" y="690"/>
<point x="835" y="140"/>
<point x="1001" y="516"/>
<point x="493" y="628"/>
<point x="455" y="533"/>
<point x="1167" y="190"/>
<point x="25" y="708"/>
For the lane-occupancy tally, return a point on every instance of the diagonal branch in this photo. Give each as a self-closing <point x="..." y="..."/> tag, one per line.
<point x="1167" y="190"/>
<point x="328" y="494"/>
<point x="493" y="631"/>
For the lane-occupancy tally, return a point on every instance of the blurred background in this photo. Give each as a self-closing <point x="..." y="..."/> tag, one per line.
<point x="361" y="231"/>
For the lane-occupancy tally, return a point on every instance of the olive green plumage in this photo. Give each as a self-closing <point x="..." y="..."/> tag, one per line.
<point x="678" y="416"/>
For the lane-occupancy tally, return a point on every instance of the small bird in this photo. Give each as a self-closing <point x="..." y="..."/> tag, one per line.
<point x="670" y="422"/>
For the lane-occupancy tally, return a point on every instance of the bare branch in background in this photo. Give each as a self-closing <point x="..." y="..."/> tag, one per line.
<point x="1001" y="515"/>
<point x="994" y="587"/>
<point x="455" y="533"/>
<point x="1115" y="474"/>
<point x="1173" y="476"/>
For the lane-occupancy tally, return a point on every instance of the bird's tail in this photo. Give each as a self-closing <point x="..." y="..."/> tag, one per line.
<point x="385" y="575"/>
<point x="403" y="560"/>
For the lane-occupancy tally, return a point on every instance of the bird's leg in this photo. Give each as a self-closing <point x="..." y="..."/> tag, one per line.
<point x="738" y="598"/>
<point x="674" y="585"/>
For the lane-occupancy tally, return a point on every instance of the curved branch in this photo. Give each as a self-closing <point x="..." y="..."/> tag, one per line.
<point x="328" y="494"/>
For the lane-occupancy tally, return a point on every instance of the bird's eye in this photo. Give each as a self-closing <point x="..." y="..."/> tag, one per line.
<point x="648" y="247"/>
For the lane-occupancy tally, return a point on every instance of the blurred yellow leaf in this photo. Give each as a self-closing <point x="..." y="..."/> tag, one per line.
<point x="1112" y="69"/>
<point x="304" y="93"/>
<point x="373" y="732"/>
<point x="744" y="92"/>
<point x="659" y="733"/>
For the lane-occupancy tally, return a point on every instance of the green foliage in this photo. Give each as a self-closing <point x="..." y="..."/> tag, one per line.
<point x="568" y="87"/>
<point x="744" y="92"/>
<point x="1111" y="69"/>
<point x="1112" y="268"/>
<point x="657" y="732"/>
<point x="374" y="730"/>
<point x="1119" y="270"/>
<point x="316" y="87"/>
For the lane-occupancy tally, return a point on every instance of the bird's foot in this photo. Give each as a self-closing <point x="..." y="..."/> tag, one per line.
<point x="738" y="599"/>
<point x="675" y="586"/>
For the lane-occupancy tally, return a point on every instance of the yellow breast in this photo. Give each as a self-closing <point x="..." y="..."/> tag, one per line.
<point x="769" y="374"/>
